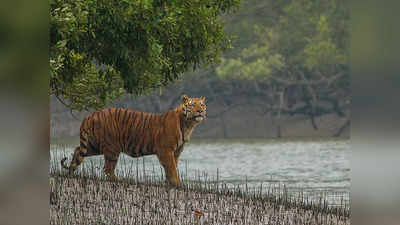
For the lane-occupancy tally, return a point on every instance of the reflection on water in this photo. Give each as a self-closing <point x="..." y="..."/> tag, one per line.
<point x="310" y="165"/>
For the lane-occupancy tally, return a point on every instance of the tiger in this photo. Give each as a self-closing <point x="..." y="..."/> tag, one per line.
<point x="111" y="131"/>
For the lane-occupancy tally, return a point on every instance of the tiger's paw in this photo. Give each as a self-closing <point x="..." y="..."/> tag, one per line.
<point x="112" y="177"/>
<point x="175" y="183"/>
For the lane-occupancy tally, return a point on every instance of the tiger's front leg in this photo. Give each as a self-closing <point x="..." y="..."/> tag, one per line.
<point x="177" y="154"/>
<point x="167" y="160"/>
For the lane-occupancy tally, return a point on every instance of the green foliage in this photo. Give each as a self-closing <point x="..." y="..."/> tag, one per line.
<point x="307" y="36"/>
<point x="99" y="49"/>
<point x="298" y="59"/>
<point x="256" y="62"/>
<point x="321" y="51"/>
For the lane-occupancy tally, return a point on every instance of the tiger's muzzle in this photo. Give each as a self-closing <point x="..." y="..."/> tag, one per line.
<point x="199" y="116"/>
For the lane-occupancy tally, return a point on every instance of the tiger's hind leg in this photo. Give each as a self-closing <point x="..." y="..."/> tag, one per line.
<point x="111" y="160"/>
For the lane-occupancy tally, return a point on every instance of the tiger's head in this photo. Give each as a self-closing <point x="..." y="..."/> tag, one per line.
<point x="194" y="109"/>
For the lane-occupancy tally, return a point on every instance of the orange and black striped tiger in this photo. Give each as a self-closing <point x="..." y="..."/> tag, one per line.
<point x="115" y="130"/>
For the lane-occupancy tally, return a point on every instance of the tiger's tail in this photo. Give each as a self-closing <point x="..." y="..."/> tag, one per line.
<point x="79" y="153"/>
<point x="77" y="159"/>
<point x="62" y="163"/>
<point x="73" y="163"/>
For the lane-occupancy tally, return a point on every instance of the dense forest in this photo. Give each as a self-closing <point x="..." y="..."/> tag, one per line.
<point x="285" y="73"/>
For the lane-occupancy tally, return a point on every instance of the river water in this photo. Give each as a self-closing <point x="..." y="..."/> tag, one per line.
<point x="317" y="166"/>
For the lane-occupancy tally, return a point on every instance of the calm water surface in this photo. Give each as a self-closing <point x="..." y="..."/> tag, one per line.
<point x="311" y="165"/>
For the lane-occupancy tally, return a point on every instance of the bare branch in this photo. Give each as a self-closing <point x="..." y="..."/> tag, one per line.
<point x="72" y="114"/>
<point x="228" y="109"/>
<point x="340" y="131"/>
<point x="305" y="82"/>
<point x="61" y="101"/>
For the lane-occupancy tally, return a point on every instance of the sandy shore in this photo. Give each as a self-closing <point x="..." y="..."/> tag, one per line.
<point x="80" y="200"/>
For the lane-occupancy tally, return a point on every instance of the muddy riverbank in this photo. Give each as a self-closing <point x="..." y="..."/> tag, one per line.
<point x="90" y="200"/>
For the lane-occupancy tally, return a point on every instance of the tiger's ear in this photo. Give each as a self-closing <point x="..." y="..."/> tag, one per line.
<point x="203" y="99"/>
<point x="185" y="99"/>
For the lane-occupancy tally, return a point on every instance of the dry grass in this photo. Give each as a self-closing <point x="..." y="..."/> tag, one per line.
<point x="89" y="198"/>
<point x="79" y="200"/>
